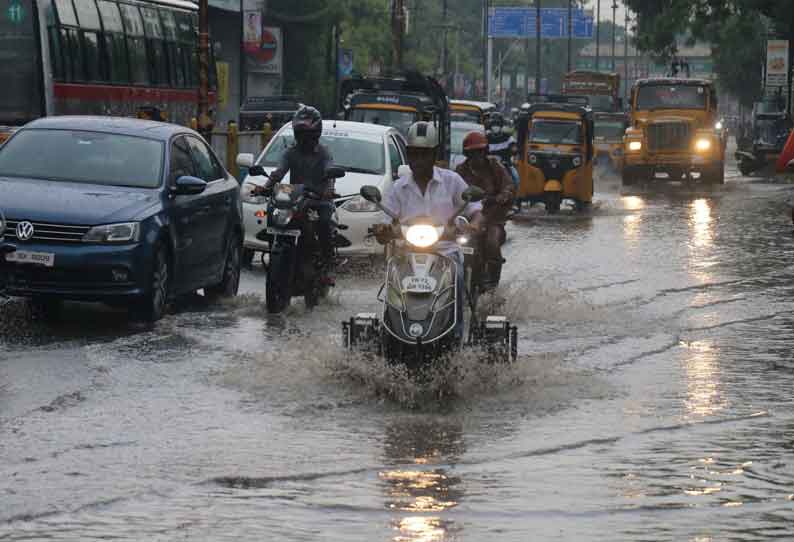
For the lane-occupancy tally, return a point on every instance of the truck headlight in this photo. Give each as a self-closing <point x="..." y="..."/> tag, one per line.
<point x="702" y="144"/>
<point x="359" y="205"/>
<point x="126" y="232"/>
<point x="635" y="145"/>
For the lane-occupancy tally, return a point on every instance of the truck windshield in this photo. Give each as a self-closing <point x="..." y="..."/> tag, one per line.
<point x="671" y="97"/>
<point x="19" y="64"/>
<point x="555" y="131"/>
<point x="599" y="102"/>
<point x="609" y="129"/>
<point x="401" y="120"/>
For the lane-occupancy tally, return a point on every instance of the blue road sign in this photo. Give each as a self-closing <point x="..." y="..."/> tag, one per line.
<point x="522" y="23"/>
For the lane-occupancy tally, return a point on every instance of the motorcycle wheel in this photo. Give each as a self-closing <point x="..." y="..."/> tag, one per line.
<point x="277" y="288"/>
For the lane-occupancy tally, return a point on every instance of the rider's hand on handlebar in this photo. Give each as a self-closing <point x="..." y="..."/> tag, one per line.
<point x="382" y="233"/>
<point x="262" y="190"/>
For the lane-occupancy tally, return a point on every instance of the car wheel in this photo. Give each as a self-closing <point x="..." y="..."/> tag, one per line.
<point x="247" y="258"/>
<point x="151" y="307"/>
<point x="231" y="272"/>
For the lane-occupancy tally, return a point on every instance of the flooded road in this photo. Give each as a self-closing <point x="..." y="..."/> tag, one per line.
<point x="651" y="400"/>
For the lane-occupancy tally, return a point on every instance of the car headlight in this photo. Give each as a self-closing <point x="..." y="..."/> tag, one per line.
<point x="718" y="126"/>
<point x="533" y="159"/>
<point x="359" y="205"/>
<point x="126" y="232"/>
<point x="247" y="197"/>
<point x="422" y="235"/>
<point x="702" y="145"/>
<point x="635" y="145"/>
<point x="2" y="226"/>
<point x="577" y="161"/>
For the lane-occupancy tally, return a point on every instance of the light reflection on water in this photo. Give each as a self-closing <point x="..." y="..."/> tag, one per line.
<point x="704" y="388"/>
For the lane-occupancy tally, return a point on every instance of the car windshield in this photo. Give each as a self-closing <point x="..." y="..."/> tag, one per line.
<point x="465" y="115"/>
<point x="609" y="130"/>
<point x="352" y="153"/>
<point x="458" y="135"/>
<point x="83" y="156"/>
<point x="555" y="131"/>
<point x="401" y="120"/>
<point x="671" y="97"/>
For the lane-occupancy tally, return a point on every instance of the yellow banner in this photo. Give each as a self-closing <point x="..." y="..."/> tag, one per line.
<point x="223" y="83"/>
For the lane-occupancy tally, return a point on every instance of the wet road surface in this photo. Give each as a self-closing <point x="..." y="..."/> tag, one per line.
<point x="651" y="401"/>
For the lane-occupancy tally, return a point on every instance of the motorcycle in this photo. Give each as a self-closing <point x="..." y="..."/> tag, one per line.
<point x="296" y="264"/>
<point x="422" y="304"/>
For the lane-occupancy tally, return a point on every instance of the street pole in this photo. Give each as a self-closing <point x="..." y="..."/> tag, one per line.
<point x="570" y="32"/>
<point x="537" y="47"/>
<point x="336" y="67"/>
<point x="242" y="55"/>
<point x="204" y="120"/>
<point x="485" y="49"/>
<point x="444" y="51"/>
<point x="397" y="35"/>
<point x="614" y="18"/>
<point x="598" y="35"/>
<point x="626" y="58"/>
<point x="488" y="69"/>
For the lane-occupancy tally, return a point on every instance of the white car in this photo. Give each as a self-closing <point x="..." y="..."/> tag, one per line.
<point x="369" y="153"/>
<point x="459" y="131"/>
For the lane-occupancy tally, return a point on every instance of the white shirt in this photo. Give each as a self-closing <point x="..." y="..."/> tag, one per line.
<point x="441" y="200"/>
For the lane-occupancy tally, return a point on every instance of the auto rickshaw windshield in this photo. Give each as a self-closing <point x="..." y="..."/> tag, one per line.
<point x="565" y="132"/>
<point x="402" y="120"/>
<point x="609" y="129"/>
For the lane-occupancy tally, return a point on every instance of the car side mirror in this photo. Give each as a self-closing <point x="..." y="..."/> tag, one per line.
<point x="335" y="172"/>
<point x="187" y="185"/>
<point x="245" y="159"/>
<point x="473" y="194"/>
<point x="370" y="193"/>
<point x="257" y="171"/>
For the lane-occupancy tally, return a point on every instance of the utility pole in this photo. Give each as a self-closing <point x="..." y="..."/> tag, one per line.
<point x="570" y="32"/>
<point x="398" y="27"/>
<point x="444" y="50"/>
<point x="598" y="35"/>
<point x="485" y="49"/>
<point x="537" y="47"/>
<point x="614" y="29"/>
<point x="626" y="58"/>
<point x="204" y="120"/>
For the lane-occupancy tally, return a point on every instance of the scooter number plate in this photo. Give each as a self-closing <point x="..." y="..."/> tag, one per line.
<point x="467" y="250"/>
<point x="419" y="285"/>
<point x="289" y="233"/>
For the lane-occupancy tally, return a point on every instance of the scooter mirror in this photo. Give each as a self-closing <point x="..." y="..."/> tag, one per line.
<point x="370" y="193"/>
<point x="473" y="194"/>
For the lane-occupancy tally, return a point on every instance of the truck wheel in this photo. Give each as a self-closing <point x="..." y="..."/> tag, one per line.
<point x="629" y="176"/>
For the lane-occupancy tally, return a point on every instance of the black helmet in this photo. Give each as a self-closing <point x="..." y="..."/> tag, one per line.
<point x="494" y="119"/>
<point x="307" y="121"/>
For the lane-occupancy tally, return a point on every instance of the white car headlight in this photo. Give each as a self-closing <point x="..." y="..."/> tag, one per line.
<point x="247" y="197"/>
<point x="422" y="235"/>
<point x="359" y="205"/>
<point x="703" y="144"/>
<point x="126" y="232"/>
<point x="2" y="226"/>
<point x="718" y="126"/>
<point x="635" y="145"/>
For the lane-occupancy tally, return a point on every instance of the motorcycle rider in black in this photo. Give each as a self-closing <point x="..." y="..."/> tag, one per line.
<point x="500" y="143"/>
<point x="307" y="162"/>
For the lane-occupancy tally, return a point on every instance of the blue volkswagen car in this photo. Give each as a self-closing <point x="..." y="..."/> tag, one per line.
<point x="123" y="211"/>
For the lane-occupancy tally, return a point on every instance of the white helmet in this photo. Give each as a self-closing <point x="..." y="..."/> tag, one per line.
<point x="423" y="135"/>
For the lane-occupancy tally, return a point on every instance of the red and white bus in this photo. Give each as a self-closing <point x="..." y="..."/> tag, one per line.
<point x="98" y="57"/>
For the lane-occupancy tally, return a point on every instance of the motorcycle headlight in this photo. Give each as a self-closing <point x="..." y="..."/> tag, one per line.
<point x="635" y="145"/>
<point x="127" y="232"/>
<point x="577" y="161"/>
<point x="359" y="205"/>
<point x="422" y="235"/>
<point x="247" y="197"/>
<point x="702" y="144"/>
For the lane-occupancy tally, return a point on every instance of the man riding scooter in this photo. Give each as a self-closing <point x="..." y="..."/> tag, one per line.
<point x="486" y="172"/>
<point x="307" y="162"/>
<point x="431" y="191"/>
<point x="501" y="143"/>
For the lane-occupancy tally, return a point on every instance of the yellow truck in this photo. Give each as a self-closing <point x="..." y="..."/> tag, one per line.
<point x="672" y="132"/>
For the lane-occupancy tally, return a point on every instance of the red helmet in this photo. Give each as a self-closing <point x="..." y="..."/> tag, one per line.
<point x="475" y="141"/>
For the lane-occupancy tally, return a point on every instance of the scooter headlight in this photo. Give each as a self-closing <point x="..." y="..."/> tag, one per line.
<point x="422" y="235"/>
<point x="718" y="126"/>
<point x="635" y="145"/>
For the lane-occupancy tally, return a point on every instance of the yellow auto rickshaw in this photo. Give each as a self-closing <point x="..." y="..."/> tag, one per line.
<point x="608" y="137"/>
<point x="555" y="161"/>
<point x="469" y="111"/>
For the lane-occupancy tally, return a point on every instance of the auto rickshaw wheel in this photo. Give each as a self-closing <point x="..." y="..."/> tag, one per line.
<point x="553" y="202"/>
<point x="628" y="177"/>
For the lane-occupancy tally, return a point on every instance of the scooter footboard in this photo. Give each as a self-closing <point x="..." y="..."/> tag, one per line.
<point x="362" y="332"/>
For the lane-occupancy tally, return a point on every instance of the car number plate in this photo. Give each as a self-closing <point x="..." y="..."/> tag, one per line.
<point x="47" y="259"/>
<point x="290" y="233"/>
<point x="419" y="285"/>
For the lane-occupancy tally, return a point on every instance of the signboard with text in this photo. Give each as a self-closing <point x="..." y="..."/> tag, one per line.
<point x="777" y="63"/>
<point x="512" y="22"/>
<point x="263" y="45"/>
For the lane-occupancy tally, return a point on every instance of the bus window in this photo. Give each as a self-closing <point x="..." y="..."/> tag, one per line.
<point x="73" y="58"/>
<point x="113" y="42"/>
<point x="158" y="67"/>
<point x="87" y="15"/>
<point x="56" y="52"/>
<point x="136" y="44"/>
<point x="65" y="12"/>
<point x="94" y="62"/>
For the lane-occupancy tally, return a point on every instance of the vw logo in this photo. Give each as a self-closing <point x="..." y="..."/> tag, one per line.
<point x="24" y="231"/>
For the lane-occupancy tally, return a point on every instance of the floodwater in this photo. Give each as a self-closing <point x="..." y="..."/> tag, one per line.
<point x="652" y="400"/>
